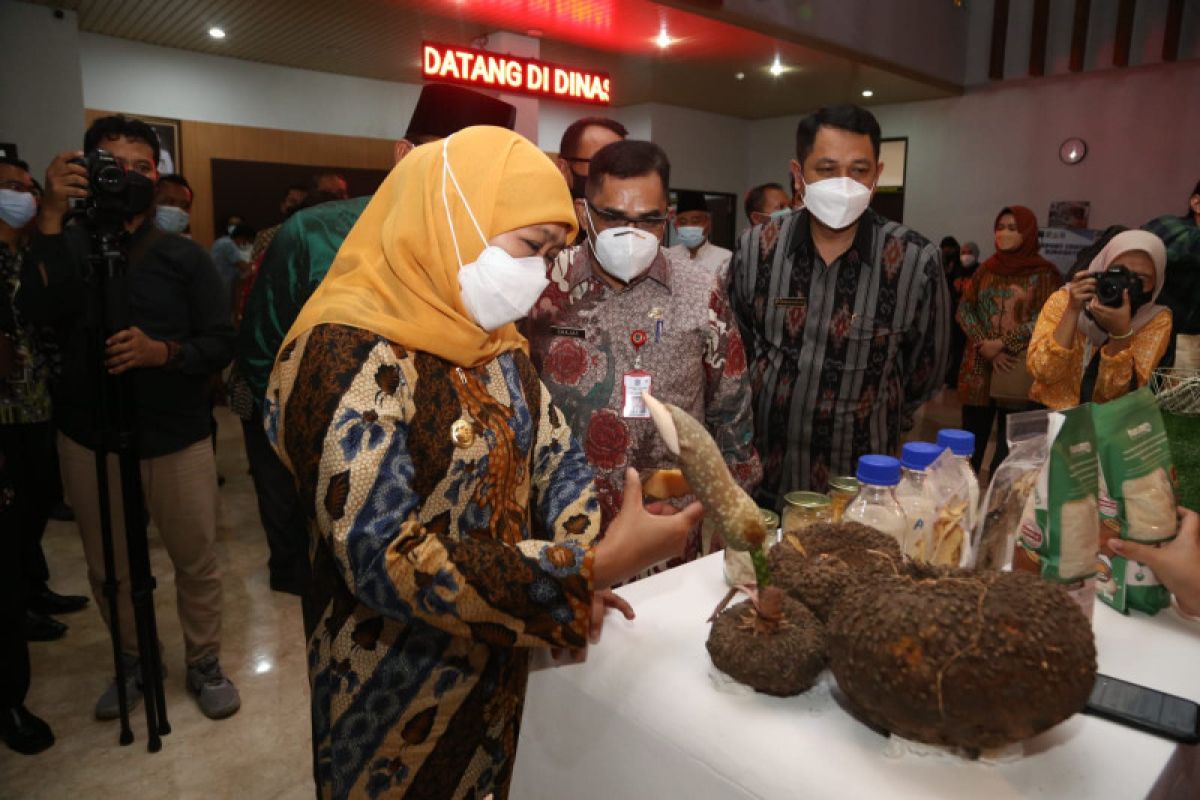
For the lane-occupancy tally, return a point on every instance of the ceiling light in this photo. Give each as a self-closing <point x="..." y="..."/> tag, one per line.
<point x="216" y="33"/>
<point x="664" y="39"/>
<point x="741" y="76"/>
<point x="867" y="93"/>
<point x="776" y="68"/>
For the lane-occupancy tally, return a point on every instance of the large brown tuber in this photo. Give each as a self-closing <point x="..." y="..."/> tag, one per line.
<point x="783" y="659"/>
<point x="818" y="563"/>
<point x="972" y="660"/>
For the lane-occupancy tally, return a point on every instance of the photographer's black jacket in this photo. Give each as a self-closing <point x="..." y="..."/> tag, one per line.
<point x="174" y="295"/>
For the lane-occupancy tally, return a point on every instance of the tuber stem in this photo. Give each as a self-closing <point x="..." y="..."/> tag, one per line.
<point x="762" y="573"/>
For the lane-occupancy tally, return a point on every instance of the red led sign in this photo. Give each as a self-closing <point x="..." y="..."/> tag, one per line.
<point x="463" y="65"/>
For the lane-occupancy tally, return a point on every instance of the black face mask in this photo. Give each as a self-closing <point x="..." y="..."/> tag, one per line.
<point x="139" y="193"/>
<point x="578" y="185"/>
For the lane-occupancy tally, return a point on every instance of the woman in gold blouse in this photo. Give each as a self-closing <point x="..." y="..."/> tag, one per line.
<point x="1083" y="350"/>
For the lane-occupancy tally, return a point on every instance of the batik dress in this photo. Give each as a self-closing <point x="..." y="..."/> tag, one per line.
<point x="452" y="518"/>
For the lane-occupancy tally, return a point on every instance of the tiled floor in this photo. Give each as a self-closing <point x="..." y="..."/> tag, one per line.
<point x="263" y="751"/>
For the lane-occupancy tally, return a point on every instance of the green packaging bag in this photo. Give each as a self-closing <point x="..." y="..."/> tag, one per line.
<point x="1137" y="496"/>
<point x="1060" y="529"/>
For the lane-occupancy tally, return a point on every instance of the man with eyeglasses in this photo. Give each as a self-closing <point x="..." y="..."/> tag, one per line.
<point x="582" y="139"/>
<point x="622" y="316"/>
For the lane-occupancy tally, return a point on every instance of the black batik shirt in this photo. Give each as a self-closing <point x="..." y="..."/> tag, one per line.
<point x="841" y="355"/>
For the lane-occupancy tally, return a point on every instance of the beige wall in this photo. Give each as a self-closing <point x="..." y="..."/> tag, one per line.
<point x="203" y="141"/>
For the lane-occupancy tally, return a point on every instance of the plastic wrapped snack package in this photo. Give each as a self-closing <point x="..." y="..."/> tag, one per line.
<point x="949" y="538"/>
<point x="998" y="525"/>
<point x="1137" y="497"/>
<point x="1060" y="539"/>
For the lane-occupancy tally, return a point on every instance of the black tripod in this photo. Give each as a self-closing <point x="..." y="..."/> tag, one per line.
<point x="117" y="429"/>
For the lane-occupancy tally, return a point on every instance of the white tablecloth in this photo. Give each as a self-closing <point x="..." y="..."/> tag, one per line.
<point x="642" y="718"/>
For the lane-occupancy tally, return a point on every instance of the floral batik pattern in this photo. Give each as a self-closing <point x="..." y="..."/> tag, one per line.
<point x="1004" y="307"/>
<point x="580" y="339"/>
<point x="439" y="559"/>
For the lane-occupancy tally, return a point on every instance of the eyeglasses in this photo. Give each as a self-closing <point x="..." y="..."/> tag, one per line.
<point x="645" y="223"/>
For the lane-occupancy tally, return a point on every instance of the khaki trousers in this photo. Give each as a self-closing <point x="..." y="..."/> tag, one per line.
<point x="180" y="492"/>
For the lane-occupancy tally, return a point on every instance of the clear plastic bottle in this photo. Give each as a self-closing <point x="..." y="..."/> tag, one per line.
<point x="875" y="504"/>
<point x="919" y="506"/>
<point x="962" y="445"/>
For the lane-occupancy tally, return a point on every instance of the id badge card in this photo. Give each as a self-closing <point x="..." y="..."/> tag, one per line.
<point x="637" y="383"/>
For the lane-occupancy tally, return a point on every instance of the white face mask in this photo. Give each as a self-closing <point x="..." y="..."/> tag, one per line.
<point x="967" y="260"/>
<point x="171" y="219"/>
<point x="625" y="252"/>
<point x="16" y="208"/>
<point x="496" y="287"/>
<point x="837" y="202"/>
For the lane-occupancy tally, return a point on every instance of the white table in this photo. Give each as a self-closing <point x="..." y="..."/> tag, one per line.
<point x="643" y="718"/>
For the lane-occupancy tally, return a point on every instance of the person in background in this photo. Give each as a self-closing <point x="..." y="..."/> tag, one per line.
<point x="231" y="256"/>
<point x="332" y="184"/>
<point x="455" y="520"/>
<point x="953" y="268"/>
<point x="765" y="202"/>
<point x="1181" y="237"/>
<point x="580" y="141"/>
<point x="25" y="447"/>
<point x="291" y="269"/>
<point x="173" y="204"/>
<point x="296" y="193"/>
<point x="27" y="363"/>
<point x="693" y="221"/>
<point x="179" y="334"/>
<point x="845" y="314"/>
<point x="620" y="308"/>
<point x="997" y="312"/>
<point x="1176" y="564"/>
<point x="968" y="259"/>
<point x="231" y="222"/>
<point x="1084" y="351"/>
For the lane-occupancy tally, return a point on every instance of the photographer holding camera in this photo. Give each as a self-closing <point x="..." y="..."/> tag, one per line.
<point x="178" y="333"/>
<point x="1101" y="335"/>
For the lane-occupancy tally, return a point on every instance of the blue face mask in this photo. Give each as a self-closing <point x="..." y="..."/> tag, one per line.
<point x="171" y="219"/>
<point x="692" y="236"/>
<point x="780" y="213"/>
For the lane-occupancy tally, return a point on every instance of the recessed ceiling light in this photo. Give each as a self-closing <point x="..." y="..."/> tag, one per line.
<point x="777" y="68"/>
<point x="216" y="33"/>
<point x="741" y="76"/>
<point x="664" y="39"/>
<point x="867" y="93"/>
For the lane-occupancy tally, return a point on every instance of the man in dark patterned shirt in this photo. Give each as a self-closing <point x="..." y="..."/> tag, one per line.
<point x="844" y="314"/>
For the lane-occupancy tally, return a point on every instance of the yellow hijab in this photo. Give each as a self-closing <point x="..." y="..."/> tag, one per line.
<point x="397" y="273"/>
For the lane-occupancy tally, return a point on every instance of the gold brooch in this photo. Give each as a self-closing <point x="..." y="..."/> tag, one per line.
<point x="462" y="433"/>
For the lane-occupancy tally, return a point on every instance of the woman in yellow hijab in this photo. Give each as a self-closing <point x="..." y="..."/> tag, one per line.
<point x="453" y="514"/>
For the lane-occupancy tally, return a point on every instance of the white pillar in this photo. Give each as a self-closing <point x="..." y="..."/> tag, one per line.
<point x="41" y="93"/>
<point x="527" y="107"/>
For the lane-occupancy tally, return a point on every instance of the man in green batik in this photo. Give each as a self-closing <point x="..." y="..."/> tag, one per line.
<point x="292" y="268"/>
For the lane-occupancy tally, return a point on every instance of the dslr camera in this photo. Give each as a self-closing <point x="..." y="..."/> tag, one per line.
<point x="1112" y="284"/>
<point x="115" y="195"/>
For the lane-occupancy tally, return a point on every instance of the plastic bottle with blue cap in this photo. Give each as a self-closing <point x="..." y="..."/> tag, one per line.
<point x="962" y="445"/>
<point x="914" y="496"/>
<point x="876" y="505"/>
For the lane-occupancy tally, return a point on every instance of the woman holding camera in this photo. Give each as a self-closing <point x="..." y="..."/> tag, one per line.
<point x="1101" y="335"/>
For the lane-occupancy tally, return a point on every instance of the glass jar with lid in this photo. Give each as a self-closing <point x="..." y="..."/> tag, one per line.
<point x="802" y="509"/>
<point x="842" y="490"/>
